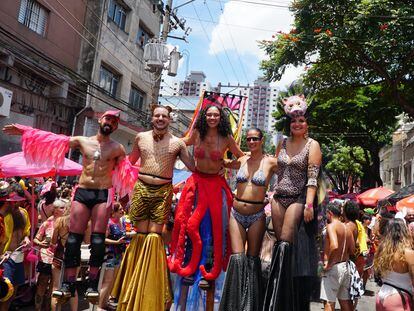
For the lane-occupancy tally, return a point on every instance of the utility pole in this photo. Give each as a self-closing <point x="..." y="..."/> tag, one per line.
<point x="164" y="35"/>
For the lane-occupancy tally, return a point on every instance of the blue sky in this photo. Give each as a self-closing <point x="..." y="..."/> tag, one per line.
<point x="226" y="33"/>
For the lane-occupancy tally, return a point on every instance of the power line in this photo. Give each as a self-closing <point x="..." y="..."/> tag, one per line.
<point x="208" y="40"/>
<point x="273" y="5"/>
<point x="97" y="39"/>
<point x="222" y="43"/>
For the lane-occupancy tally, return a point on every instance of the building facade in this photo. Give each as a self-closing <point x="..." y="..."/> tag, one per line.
<point x="397" y="159"/>
<point x="194" y="85"/>
<point x="112" y="59"/>
<point x="39" y="55"/>
<point x="260" y="106"/>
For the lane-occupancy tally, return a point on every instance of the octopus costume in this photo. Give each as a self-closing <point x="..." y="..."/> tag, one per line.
<point x="204" y="195"/>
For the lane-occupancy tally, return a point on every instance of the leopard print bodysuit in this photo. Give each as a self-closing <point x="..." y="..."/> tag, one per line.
<point x="292" y="176"/>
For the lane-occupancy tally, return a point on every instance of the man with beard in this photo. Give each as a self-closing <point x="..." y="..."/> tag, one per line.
<point x="142" y="282"/>
<point x="93" y="196"/>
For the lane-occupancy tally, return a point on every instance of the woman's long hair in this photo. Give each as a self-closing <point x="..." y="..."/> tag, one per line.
<point x="201" y="125"/>
<point x="394" y="241"/>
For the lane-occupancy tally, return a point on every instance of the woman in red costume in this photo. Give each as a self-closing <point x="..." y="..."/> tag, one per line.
<point x="205" y="201"/>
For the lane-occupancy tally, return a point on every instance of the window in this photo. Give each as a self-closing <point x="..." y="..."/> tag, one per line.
<point x="108" y="81"/>
<point x="117" y="13"/>
<point x="33" y="16"/>
<point x="143" y="36"/>
<point x="136" y="98"/>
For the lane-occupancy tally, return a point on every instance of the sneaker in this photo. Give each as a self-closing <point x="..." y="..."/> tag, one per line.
<point x="92" y="293"/>
<point x="66" y="291"/>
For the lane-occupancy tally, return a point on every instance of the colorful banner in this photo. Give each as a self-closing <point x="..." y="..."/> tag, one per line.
<point x="233" y="105"/>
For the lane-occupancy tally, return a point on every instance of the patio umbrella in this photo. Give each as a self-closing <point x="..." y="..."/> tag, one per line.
<point x="372" y="196"/>
<point x="14" y="164"/>
<point x="408" y="202"/>
<point x="398" y="195"/>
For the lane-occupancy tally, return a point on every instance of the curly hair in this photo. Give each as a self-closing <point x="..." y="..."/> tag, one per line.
<point x="201" y="125"/>
<point x="394" y="242"/>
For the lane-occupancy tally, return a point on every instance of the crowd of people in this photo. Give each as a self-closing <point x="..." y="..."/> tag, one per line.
<point x="275" y="258"/>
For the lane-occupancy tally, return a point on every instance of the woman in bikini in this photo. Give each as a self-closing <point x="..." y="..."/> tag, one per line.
<point x="242" y="289"/>
<point x="394" y="262"/>
<point x="205" y="201"/>
<point x="298" y="162"/>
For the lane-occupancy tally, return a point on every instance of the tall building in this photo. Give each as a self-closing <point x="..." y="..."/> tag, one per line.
<point x="118" y="31"/>
<point x="193" y="85"/>
<point x="66" y="62"/>
<point x="261" y="105"/>
<point x="39" y="56"/>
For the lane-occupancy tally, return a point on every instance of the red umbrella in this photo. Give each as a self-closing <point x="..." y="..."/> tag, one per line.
<point x="372" y="196"/>
<point x="14" y="164"/>
<point x="408" y="202"/>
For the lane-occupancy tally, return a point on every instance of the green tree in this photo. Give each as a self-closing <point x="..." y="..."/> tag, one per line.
<point x="343" y="165"/>
<point x="268" y="146"/>
<point x="349" y="43"/>
<point x="350" y="117"/>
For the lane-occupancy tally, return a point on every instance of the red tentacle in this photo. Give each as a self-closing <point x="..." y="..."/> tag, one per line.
<point x="193" y="231"/>
<point x="182" y="215"/>
<point x="215" y="203"/>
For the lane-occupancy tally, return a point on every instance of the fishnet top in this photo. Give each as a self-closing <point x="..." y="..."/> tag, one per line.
<point x="158" y="158"/>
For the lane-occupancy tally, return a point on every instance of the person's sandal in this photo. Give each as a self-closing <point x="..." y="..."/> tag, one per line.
<point x="92" y="294"/>
<point x="65" y="292"/>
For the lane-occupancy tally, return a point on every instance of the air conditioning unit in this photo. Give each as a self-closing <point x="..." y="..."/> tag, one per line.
<point x="5" y="101"/>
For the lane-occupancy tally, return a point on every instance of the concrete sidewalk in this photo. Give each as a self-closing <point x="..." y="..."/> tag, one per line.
<point x="366" y="303"/>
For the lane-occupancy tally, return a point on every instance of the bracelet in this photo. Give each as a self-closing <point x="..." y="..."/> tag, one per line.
<point x="308" y="205"/>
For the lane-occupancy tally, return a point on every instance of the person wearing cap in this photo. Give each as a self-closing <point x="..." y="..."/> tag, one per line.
<point x="16" y="237"/>
<point x="142" y="281"/>
<point x="103" y="161"/>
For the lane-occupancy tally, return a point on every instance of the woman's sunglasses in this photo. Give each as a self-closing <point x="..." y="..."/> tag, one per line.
<point x="253" y="138"/>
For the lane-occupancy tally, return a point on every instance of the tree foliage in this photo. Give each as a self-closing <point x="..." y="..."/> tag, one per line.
<point x="343" y="165"/>
<point x="268" y="146"/>
<point x="354" y="119"/>
<point x="350" y="43"/>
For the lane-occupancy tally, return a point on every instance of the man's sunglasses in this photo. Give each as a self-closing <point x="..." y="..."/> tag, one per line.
<point x="253" y="138"/>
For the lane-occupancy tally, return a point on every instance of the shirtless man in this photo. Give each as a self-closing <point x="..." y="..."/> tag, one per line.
<point x="17" y="232"/>
<point x="92" y="200"/>
<point x="149" y="211"/>
<point x="339" y="245"/>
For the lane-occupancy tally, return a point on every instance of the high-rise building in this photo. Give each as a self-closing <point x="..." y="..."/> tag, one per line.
<point x="260" y="106"/>
<point x="193" y="85"/>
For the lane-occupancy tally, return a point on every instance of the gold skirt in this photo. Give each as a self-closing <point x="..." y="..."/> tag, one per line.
<point x="126" y="269"/>
<point x="148" y="288"/>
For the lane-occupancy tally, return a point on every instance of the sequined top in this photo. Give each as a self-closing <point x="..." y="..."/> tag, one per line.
<point x="292" y="172"/>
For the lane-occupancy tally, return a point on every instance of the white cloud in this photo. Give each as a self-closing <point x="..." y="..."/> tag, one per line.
<point x="253" y="20"/>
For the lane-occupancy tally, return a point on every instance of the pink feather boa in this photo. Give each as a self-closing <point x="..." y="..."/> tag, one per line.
<point x="43" y="148"/>
<point x="124" y="177"/>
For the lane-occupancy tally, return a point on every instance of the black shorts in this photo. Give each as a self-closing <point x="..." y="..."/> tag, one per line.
<point x="44" y="268"/>
<point x="91" y="197"/>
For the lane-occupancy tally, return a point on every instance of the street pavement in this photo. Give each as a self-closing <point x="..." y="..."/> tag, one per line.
<point x="366" y="303"/>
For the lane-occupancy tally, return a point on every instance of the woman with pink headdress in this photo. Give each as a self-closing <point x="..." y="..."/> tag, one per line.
<point x="298" y="160"/>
